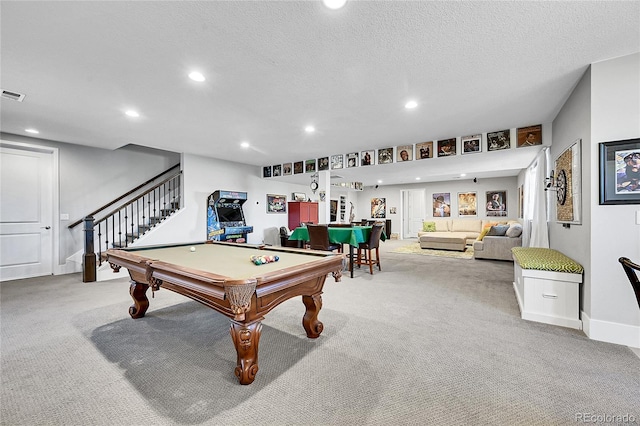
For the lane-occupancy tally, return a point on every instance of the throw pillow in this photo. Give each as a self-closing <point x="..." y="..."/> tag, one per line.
<point x="498" y="231"/>
<point x="514" y="231"/>
<point x="429" y="226"/>
<point x="483" y="233"/>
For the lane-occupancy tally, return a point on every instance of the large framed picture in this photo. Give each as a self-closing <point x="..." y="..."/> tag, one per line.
<point x="442" y="204"/>
<point x="620" y="172"/>
<point x="276" y="203"/>
<point x="496" y="203"/>
<point x="467" y="204"/>
<point x="378" y="208"/>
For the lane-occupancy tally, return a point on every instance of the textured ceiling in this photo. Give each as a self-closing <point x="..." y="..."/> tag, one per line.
<point x="274" y="67"/>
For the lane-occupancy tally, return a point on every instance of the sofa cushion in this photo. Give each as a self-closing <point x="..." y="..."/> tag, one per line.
<point x="428" y="226"/>
<point x="514" y="230"/>
<point x="442" y="225"/>
<point x="483" y="233"/>
<point x="498" y="231"/>
<point x="465" y="225"/>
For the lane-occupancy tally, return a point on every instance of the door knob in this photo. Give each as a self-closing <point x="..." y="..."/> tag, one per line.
<point x="46" y="227"/>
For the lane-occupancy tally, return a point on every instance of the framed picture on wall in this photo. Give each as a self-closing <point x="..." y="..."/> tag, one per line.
<point x="467" y="204"/>
<point x="277" y="170"/>
<point x="337" y="161"/>
<point x="471" y="144"/>
<point x="378" y="208"/>
<point x="266" y="171"/>
<point x="310" y="166"/>
<point x="368" y="158"/>
<point x="352" y="159"/>
<point x="276" y="203"/>
<point x="323" y="163"/>
<point x="442" y="204"/>
<point x="385" y="156"/>
<point x="496" y="203"/>
<point x="298" y="167"/>
<point x="620" y="172"/>
<point x="286" y="169"/>
<point x="447" y="147"/>
<point x="424" y="150"/>
<point x="530" y="136"/>
<point x="499" y="140"/>
<point x="405" y="153"/>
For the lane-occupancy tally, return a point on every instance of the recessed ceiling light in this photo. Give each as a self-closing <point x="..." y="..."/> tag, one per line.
<point x="334" y="4"/>
<point x="132" y="113"/>
<point x="380" y="181"/>
<point x="34" y="131"/>
<point x="411" y="105"/>
<point x="463" y="174"/>
<point x="245" y="144"/>
<point x="309" y="129"/>
<point x="417" y="178"/>
<point x="196" y="76"/>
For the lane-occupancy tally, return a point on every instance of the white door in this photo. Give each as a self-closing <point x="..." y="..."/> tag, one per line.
<point x="413" y="212"/>
<point x="26" y="213"/>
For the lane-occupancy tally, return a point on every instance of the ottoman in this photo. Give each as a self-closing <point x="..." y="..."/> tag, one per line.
<point x="443" y="241"/>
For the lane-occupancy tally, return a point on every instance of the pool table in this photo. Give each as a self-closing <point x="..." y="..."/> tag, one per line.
<point x="221" y="276"/>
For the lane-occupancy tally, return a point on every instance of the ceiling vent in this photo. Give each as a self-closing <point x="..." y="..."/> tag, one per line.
<point x="14" y="96"/>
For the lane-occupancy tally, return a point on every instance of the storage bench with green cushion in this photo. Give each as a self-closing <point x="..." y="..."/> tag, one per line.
<point x="547" y="285"/>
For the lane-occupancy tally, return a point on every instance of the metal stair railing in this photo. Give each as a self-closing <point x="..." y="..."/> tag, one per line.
<point x="121" y="226"/>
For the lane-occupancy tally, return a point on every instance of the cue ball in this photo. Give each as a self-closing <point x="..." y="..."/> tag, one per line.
<point x="192" y="249"/>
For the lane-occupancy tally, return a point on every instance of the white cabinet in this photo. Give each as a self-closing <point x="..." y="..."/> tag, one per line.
<point x="547" y="296"/>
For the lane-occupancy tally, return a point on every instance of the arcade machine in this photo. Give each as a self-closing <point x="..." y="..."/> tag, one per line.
<point x="225" y="219"/>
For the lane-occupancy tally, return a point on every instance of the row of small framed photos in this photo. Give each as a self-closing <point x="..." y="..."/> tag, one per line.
<point x="496" y="141"/>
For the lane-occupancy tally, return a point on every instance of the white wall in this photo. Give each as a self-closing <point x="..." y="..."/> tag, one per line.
<point x="615" y="115"/>
<point x="393" y="197"/>
<point x="204" y="175"/>
<point x="91" y="177"/>
<point x="573" y="122"/>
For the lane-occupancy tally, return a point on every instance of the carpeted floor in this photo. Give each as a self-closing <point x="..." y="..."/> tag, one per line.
<point x="414" y="248"/>
<point x="426" y="341"/>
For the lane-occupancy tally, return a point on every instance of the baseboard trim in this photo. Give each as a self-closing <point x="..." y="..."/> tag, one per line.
<point x="611" y="332"/>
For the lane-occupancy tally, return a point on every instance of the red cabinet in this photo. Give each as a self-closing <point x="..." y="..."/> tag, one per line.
<point x="302" y="211"/>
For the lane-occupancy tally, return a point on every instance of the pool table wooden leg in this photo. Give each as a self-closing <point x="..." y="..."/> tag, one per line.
<point x="140" y="302"/>
<point x="310" y="322"/>
<point x="246" y="338"/>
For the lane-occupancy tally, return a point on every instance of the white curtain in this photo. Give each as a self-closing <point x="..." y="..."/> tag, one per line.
<point x="535" y="231"/>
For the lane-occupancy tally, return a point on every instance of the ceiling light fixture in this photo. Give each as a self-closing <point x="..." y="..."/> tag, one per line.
<point x="34" y="131"/>
<point x="417" y="178"/>
<point x="245" y="145"/>
<point x="463" y="174"/>
<point x="196" y="76"/>
<point x="132" y="113"/>
<point x="334" y="4"/>
<point x="309" y="129"/>
<point x="411" y="105"/>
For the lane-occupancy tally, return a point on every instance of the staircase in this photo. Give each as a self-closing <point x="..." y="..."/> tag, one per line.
<point x="137" y="212"/>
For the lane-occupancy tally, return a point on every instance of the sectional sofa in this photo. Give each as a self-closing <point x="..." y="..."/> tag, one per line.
<point x="490" y="238"/>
